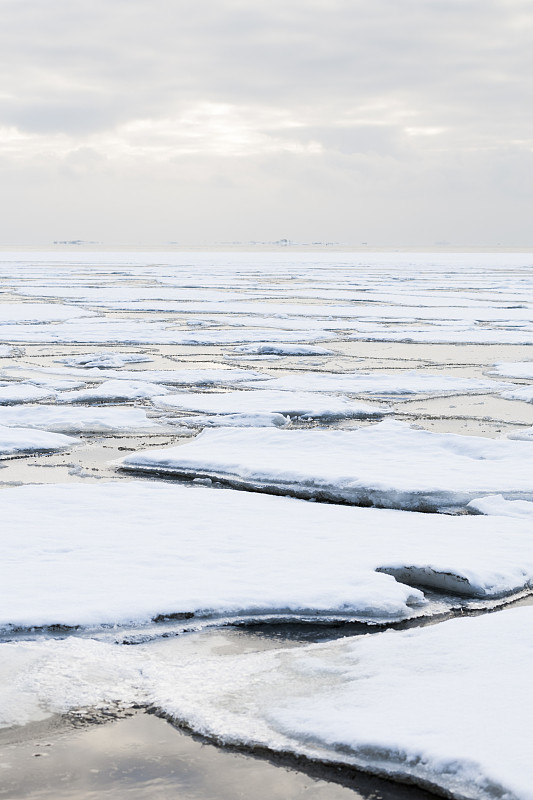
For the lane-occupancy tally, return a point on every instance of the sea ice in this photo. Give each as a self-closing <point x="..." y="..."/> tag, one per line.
<point x="282" y="350"/>
<point x="412" y="382"/>
<point x="113" y="391"/>
<point x="514" y="369"/>
<point x="76" y="419"/>
<point x="498" y="505"/>
<point x="127" y="552"/>
<point x="16" y="313"/>
<point x="104" y="360"/>
<point x="387" y="464"/>
<point x="23" y="440"/>
<point x="447" y="706"/>
<point x="524" y="393"/>
<point x="23" y="393"/>
<point x="308" y="405"/>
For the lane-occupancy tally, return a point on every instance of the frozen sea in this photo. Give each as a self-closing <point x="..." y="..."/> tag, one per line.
<point x="283" y="501"/>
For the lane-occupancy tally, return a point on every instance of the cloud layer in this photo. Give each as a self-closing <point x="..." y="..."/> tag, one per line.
<point x="354" y="120"/>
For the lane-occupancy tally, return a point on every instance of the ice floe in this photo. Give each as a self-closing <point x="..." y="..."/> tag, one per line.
<point x="123" y="552"/>
<point x="496" y="504"/>
<point x="23" y="393"/>
<point x="445" y="706"/>
<point x="15" y="313"/>
<point x="514" y="369"/>
<point x="77" y="419"/>
<point x="23" y="440"/>
<point x="113" y="391"/>
<point x="525" y="435"/>
<point x="524" y="393"/>
<point x="282" y="350"/>
<point x="104" y="360"/>
<point x="408" y="382"/>
<point x="307" y="405"/>
<point x="387" y="464"/>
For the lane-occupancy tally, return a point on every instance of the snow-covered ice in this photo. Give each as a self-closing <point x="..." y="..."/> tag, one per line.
<point x="243" y="420"/>
<point x="23" y="393"/>
<point x="282" y="350"/>
<point x="387" y="464"/>
<point x="447" y="706"/>
<point x="16" y="313"/>
<point x="104" y="359"/>
<point x="496" y="504"/>
<point x="409" y="382"/>
<point x="123" y="552"/>
<point x="113" y="391"/>
<point x="514" y="369"/>
<point x="23" y="440"/>
<point x="524" y="393"/>
<point x="295" y="404"/>
<point x="76" y="419"/>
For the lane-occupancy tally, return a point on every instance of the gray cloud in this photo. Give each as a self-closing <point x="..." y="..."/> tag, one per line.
<point x="250" y="117"/>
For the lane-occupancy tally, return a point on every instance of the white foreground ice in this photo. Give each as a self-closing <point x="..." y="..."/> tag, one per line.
<point x="446" y="706"/>
<point x="223" y="376"/>
<point x="16" y="313"/>
<point x="498" y="505"/>
<point x="113" y="391"/>
<point x="514" y="369"/>
<point x="524" y="393"/>
<point x="308" y="405"/>
<point x="412" y="382"/>
<point x="124" y="552"/>
<point x="77" y="419"/>
<point x="282" y="350"/>
<point x="525" y="435"/>
<point x="104" y="359"/>
<point x="387" y="464"/>
<point x="24" y="393"/>
<point x="24" y="440"/>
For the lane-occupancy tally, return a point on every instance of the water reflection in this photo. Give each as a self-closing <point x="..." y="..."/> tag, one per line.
<point x="144" y="758"/>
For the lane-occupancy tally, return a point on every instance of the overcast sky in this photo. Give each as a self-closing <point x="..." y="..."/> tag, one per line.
<point x="392" y="122"/>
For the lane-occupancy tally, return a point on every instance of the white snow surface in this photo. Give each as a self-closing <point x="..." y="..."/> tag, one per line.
<point x="104" y="359"/>
<point x="282" y="350"/>
<point x="447" y="705"/>
<point x="242" y="420"/>
<point x="125" y="552"/>
<point x="6" y="351"/>
<point x="514" y="369"/>
<point x="387" y="464"/>
<point x="525" y="435"/>
<point x="76" y="419"/>
<point x="24" y="440"/>
<point x="302" y="404"/>
<point x="15" y="313"/>
<point x="23" y="393"/>
<point x="113" y="391"/>
<point x="223" y="376"/>
<point x="411" y="382"/>
<point x="524" y="393"/>
<point x="498" y="505"/>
